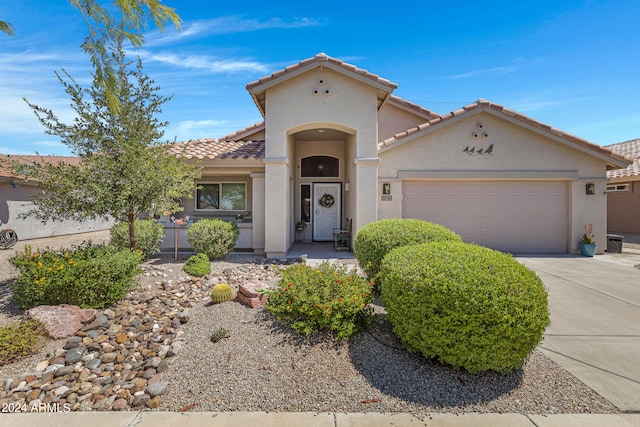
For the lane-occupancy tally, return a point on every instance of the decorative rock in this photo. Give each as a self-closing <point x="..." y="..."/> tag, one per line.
<point x="61" y="321"/>
<point x="61" y="390"/>
<point x="74" y="355"/>
<point x="163" y="366"/>
<point x="157" y="389"/>
<point x="93" y="364"/>
<point x="120" y="404"/>
<point x="154" y="403"/>
<point x="40" y="367"/>
<point x="141" y="400"/>
<point x="65" y="370"/>
<point x="108" y="357"/>
<point x="117" y="359"/>
<point x="72" y="342"/>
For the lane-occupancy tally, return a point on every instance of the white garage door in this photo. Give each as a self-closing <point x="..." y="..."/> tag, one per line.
<point x="511" y="216"/>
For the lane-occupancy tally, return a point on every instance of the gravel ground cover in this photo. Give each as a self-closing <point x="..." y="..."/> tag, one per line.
<point x="265" y="366"/>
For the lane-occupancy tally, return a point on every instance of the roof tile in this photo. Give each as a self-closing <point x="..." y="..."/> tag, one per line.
<point x="630" y="149"/>
<point x="218" y="149"/>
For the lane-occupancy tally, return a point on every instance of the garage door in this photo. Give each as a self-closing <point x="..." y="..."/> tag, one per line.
<point x="511" y="216"/>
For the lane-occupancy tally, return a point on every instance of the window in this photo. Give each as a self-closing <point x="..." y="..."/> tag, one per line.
<point x="227" y="196"/>
<point x="320" y="166"/>
<point x="612" y="188"/>
<point x="305" y="203"/>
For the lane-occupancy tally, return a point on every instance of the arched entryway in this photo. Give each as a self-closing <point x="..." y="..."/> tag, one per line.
<point x="322" y="181"/>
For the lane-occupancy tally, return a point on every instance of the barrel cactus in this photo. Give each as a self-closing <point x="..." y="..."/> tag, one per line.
<point x="221" y="293"/>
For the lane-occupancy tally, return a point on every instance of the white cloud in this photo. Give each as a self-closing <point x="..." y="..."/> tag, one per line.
<point x="223" y="25"/>
<point x="204" y="62"/>
<point x="495" y="71"/>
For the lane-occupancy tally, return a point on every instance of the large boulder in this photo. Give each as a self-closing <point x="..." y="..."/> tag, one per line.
<point x="61" y="321"/>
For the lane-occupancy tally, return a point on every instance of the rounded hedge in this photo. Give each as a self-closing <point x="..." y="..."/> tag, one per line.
<point x="469" y="306"/>
<point x="213" y="237"/>
<point x="148" y="233"/>
<point x="197" y="265"/>
<point x="376" y="239"/>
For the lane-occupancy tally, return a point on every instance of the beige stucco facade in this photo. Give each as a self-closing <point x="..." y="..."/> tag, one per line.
<point x="15" y="201"/>
<point x="323" y="110"/>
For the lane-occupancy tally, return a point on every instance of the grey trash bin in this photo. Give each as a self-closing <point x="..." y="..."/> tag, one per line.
<point x="614" y="243"/>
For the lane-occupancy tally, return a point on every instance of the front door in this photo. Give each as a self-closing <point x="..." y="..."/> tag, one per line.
<point x="326" y="210"/>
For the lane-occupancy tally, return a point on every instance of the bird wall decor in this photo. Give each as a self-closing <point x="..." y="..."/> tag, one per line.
<point x="475" y="151"/>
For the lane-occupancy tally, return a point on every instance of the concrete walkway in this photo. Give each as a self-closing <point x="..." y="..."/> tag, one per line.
<point x="595" y="322"/>
<point x="309" y="419"/>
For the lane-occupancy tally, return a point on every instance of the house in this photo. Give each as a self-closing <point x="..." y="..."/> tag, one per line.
<point x="336" y="143"/>
<point x="623" y="191"/>
<point x="15" y="200"/>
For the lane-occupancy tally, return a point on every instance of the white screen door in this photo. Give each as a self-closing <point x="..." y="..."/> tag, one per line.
<point x="326" y="210"/>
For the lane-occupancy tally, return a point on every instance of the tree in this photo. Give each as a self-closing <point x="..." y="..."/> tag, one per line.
<point x="104" y="26"/>
<point x="124" y="168"/>
<point x="6" y="27"/>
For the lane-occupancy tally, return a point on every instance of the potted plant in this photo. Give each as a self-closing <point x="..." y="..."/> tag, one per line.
<point x="587" y="243"/>
<point x="301" y="225"/>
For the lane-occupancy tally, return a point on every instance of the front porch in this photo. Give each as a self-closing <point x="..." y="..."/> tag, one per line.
<point x="317" y="252"/>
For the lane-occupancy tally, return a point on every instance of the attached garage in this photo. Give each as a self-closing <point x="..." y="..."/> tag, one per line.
<point x="511" y="216"/>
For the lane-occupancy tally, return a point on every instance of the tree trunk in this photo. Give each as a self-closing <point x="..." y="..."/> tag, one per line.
<point x="132" y="231"/>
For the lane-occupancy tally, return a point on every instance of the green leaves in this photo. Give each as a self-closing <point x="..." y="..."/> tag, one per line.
<point x="376" y="239"/>
<point x="471" y="307"/>
<point x="327" y="297"/>
<point x="87" y="276"/>
<point x="213" y="237"/>
<point x="7" y="28"/>
<point x="124" y="168"/>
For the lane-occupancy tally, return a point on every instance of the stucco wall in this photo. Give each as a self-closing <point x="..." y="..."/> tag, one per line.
<point x="15" y="201"/>
<point x="623" y="209"/>
<point x="318" y="98"/>
<point x="517" y="153"/>
<point x="392" y="120"/>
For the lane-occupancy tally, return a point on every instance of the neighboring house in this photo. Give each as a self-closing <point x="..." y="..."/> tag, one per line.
<point x="623" y="191"/>
<point x="335" y="143"/>
<point x="15" y="200"/>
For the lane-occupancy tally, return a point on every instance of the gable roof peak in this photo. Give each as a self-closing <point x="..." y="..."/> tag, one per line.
<point x="258" y="88"/>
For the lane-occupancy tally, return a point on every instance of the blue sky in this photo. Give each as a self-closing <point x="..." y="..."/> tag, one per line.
<point x="571" y="64"/>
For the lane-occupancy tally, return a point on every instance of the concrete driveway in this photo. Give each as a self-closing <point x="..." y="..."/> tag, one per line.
<point x="595" y="321"/>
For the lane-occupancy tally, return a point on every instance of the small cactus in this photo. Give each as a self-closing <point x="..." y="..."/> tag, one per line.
<point x="221" y="293"/>
<point x="218" y="334"/>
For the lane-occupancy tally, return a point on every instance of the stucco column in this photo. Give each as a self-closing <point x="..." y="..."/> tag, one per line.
<point x="366" y="171"/>
<point x="257" y="215"/>
<point x="276" y="198"/>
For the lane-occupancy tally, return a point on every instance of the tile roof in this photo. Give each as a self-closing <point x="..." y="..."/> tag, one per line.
<point x="484" y="104"/>
<point x="321" y="58"/>
<point x="218" y="149"/>
<point x="413" y="107"/>
<point x="630" y="149"/>
<point x="240" y="134"/>
<point x="30" y="159"/>
<point x="258" y="88"/>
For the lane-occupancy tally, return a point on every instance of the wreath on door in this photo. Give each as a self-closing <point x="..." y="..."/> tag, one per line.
<point x="326" y="201"/>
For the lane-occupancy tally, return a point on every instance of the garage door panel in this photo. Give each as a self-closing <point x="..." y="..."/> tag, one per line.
<point x="512" y="216"/>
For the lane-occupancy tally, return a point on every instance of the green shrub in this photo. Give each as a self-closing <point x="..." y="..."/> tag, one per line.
<point x="19" y="339"/>
<point x="213" y="237"/>
<point x="327" y="297"/>
<point x="148" y="233"/>
<point x="88" y="276"/>
<point x="376" y="239"/>
<point x="197" y="265"/>
<point x="469" y="306"/>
